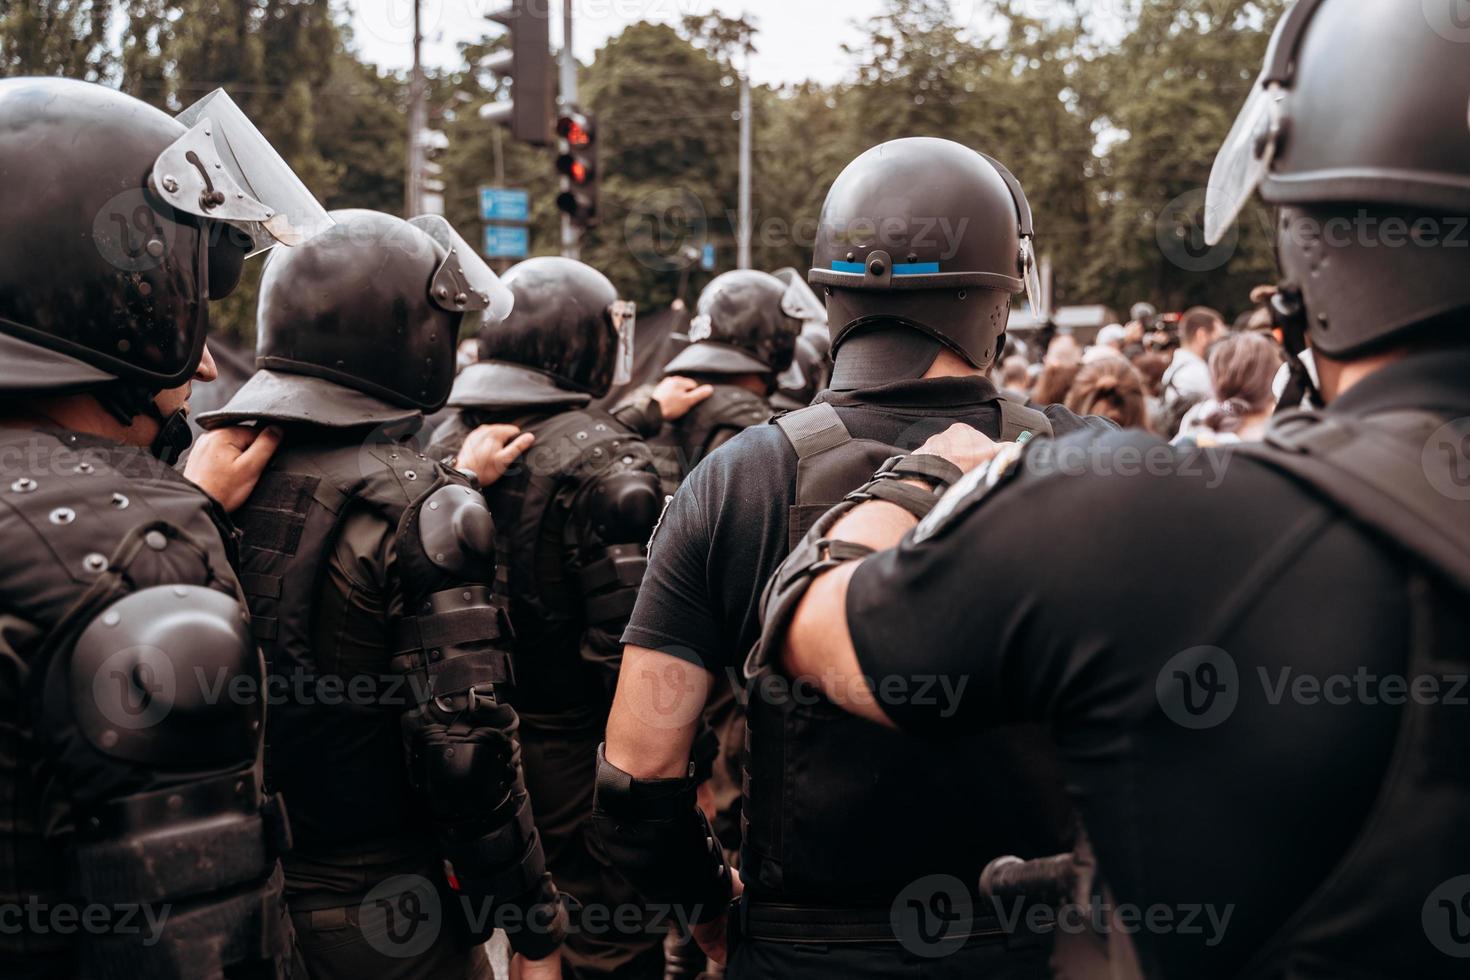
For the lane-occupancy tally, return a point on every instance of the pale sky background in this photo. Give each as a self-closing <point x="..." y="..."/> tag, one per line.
<point x="798" y="39"/>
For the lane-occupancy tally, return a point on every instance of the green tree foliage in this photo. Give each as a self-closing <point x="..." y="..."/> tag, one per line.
<point x="1111" y="127"/>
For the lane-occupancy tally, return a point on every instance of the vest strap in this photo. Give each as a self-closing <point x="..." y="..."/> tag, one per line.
<point x="814" y="429"/>
<point x="1017" y="420"/>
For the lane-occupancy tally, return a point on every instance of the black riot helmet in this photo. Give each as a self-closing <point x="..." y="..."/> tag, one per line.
<point x="372" y="305"/>
<point x="121" y="223"/>
<point x="746" y="322"/>
<point x="1359" y="130"/>
<point x="568" y="323"/>
<point x="929" y="236"/>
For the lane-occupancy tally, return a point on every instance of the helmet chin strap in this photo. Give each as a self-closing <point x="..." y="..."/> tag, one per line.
<point x="1289" y="311"/>
<point x="125" y="402"/>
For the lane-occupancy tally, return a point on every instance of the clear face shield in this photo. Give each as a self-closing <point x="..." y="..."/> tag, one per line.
<point x="223" y="169"/>
<point x="1244" y="159"/>
<point x="463" y="283"/>
<point x="1031" y="276"/>
<point x="800" y="303"/>
<point x="623" y="315"/>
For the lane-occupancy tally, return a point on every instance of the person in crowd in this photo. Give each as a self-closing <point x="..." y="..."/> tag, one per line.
<point x="1188" y="376"/>
<point x="1110" y="387"/>
<point x="1243" y="370"/>
<point x="1015" y="379"/>
<point x="1054" y="382"/>
<point x="1113" y="337"/>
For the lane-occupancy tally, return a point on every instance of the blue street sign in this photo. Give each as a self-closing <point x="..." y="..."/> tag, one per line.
<point x="504" y="204"/>
<point x="707" y="261"/>
<point x="507" y="241"/>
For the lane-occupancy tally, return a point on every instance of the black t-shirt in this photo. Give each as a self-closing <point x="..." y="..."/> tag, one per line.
<point x="725" y="531"/>
<point x="1161" y="624"/>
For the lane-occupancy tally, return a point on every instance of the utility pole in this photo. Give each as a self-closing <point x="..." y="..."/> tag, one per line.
<point x="571" y="236"/>
<point x="417" y="122"/>
<point x="743" y="258"/>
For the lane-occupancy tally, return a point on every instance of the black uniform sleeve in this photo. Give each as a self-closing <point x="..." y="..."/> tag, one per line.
<point x="981" y="617"/>
<point x="676" y="611"/>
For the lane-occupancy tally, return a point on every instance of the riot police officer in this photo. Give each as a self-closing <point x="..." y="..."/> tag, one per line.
<point x="1277" y="738"/>
<point x="742" y="337"/>
<point x="840" y="817"/>
<point x="574" y="520"/>
<point x="368" y="568"/>
<point x="138" y="839"/>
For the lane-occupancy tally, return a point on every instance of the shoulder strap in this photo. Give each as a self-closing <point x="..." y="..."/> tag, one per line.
<point x="1384" y="471"/>
<point x="1017" y="420"/>
<point x="813" y="429"/>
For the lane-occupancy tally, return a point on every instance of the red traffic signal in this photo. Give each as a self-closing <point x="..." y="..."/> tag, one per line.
<point x="577" y="165"/>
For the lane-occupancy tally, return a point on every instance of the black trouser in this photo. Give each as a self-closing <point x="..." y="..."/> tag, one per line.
<point x="981" y="958"/>
<point x="331" y="944"/>
<point x="561" y="774"/>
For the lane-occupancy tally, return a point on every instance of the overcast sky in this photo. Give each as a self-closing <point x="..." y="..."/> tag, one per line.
<point x="798" y="39"/>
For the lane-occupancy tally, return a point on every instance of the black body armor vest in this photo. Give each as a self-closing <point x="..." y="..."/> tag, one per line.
<point x="291" y="525"/>
<point x="1397" y="904"/>
<point x="686" y="441"/>
<point x="842" y="813"/>
<point x="121" y="779"/>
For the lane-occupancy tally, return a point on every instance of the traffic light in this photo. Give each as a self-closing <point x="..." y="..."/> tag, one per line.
<point x="527" y="63"/>
<point x="577" y="163"/>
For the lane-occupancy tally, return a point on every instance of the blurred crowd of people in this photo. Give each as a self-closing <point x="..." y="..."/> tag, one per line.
<point x="1192" y="378"/>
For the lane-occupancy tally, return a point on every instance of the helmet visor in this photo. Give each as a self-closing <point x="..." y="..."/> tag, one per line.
<point x="1244" y="160"/>
<point x="1031" y="276"/>
<point x="463" y="282"/>
<point x="800" y="303"/>
<point x="224" y="169"/>
<point x="623" y="315"/>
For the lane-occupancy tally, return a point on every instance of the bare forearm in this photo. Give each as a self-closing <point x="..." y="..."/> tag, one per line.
<point x="655" y="714"/>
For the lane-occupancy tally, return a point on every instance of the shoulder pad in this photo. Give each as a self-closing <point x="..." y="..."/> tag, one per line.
<point x="582" y="445"/>
<point x="732" y="405"/>
<point x="154" y="679"/>
<point x="457" y="531"/>
<point x="624" y="506"/>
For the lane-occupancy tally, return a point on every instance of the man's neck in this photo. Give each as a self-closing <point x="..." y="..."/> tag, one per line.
<point x="948" y="364"/>
<point x="79" y="413"/>
<point x="1336" y="377"/>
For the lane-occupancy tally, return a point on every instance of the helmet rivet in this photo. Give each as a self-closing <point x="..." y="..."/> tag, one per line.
<point x="170" y="183"/>
<point x="410" y="475"/>
<point x="24" y="485"/>
<point x="63" y="515"/>
<point x="913" y="256"/>
<point x="120" y="501"/>
<point x="460" y="299"/>
<point x="877" y="267"/>
<point x="852" y="256"/>
<point x="154" y="247"/>
<point x="442" y="292"/>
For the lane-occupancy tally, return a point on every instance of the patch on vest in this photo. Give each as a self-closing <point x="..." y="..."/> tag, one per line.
<point x="969" y="490"/>
<point x="668" y="499"/>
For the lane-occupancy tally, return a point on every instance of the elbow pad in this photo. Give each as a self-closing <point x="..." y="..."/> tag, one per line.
<point x="621" y="511"/>
<point x="655" y="834"/>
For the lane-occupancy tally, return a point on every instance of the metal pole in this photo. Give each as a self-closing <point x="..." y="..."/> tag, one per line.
<point x="416" y="120"/>
<point x="743" y="259"/>
<point x="571" y="238"/>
